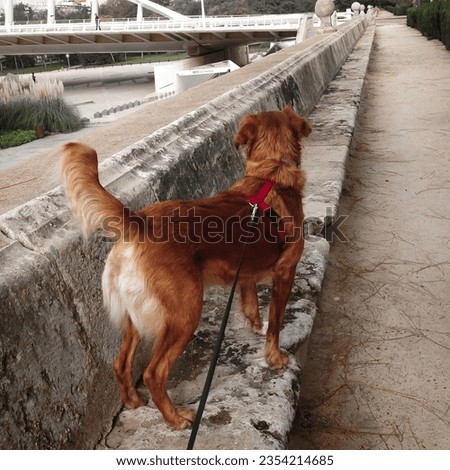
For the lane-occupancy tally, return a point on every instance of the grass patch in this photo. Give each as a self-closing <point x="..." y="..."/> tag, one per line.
<point x="161" y="57"/>
<point x="15" y="138"/>
<point x="25" y="104"/>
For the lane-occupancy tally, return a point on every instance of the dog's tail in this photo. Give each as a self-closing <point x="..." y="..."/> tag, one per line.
<point x="91" y="204"/>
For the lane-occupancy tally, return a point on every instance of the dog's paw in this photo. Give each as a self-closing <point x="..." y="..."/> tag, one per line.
<point x="183" y="419"/>
<point x="277" y="359"/>
<point x="257" y="328"/>
<point x="263" y="328"/>
<point x="255" y="324"/>
<point x="134" y="402"/>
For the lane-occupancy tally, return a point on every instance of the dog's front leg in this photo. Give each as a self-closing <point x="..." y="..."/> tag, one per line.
<point x="249" y="304"/>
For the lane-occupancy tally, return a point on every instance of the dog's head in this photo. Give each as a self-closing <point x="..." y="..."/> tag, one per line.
<point x="273" y="134"/>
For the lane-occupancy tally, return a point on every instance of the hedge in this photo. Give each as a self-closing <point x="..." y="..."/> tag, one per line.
<point x="432" y="20"/>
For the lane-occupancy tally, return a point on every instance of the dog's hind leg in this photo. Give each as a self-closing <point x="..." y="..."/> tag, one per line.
<point x="179" y="326"/>
<point x="249" y="304"/>
<point x="283" y="281"/>
<point x="123" y="366"/>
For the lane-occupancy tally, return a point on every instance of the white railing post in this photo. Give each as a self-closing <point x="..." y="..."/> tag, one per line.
<point x="51" y="12"/>
<point x="9" y="14"/>
<point x="94" y="10"/>
<point x="140" y="12"/>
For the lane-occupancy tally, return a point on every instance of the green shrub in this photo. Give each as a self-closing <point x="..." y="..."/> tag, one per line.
<point x="15" y="138"/>
<point x="445" y="23"/>
<point x="400" y="10"/>
<point x="432" y="20"/>
<point x="411" y="18"/>
<point x="25" y="104"/>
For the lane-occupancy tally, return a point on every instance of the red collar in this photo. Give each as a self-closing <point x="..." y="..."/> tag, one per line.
<point x="261" y="195"/>
<point x="258" y="200"/>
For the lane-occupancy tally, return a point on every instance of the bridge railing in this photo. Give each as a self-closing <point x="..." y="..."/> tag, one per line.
<point x="278" y="22"/>
<point x="340" y="17"/>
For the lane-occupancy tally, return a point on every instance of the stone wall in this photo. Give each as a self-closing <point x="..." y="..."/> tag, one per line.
<point x="57" y="388"/>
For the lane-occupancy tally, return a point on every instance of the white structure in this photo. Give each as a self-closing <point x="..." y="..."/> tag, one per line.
<point x="51" y="4"/>
<point x="324" y="9"/>
<point x="176" y="77"/>
<point x="355" y="8"/>
<point x="152" y="6"/>
<point x="196" y="36"/>
<point x="94" y="10"/>
<point x="51" y="12"/>
<point x="9" y="12"/>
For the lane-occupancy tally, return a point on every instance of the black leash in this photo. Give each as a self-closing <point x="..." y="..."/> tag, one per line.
<point x="223" y="326"/>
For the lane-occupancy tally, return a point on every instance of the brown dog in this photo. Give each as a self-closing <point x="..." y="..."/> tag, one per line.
<point x="166" y="253"/>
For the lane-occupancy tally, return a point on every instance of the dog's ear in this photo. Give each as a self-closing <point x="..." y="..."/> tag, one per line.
<point x="300" y="124"/>
<point x="247" y="131"/>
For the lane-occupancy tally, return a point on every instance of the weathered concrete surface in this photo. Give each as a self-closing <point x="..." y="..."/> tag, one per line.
<point x="57" y="348"/>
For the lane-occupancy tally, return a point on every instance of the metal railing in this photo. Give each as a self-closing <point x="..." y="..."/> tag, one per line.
<point x="276" y="22"/>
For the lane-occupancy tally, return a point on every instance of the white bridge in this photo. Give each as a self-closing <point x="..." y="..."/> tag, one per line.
<point x="173" y="32"/>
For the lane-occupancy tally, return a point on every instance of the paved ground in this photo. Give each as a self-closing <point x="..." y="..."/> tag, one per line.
<point x="101" y="96"/>
<point x="377" y="374"/>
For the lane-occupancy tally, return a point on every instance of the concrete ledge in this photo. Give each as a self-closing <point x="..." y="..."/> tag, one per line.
<point x="56" y="345"/>
<point x="116" y="109"/>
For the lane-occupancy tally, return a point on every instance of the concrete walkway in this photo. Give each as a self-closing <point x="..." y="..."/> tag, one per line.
<point x="377" y="375"/>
